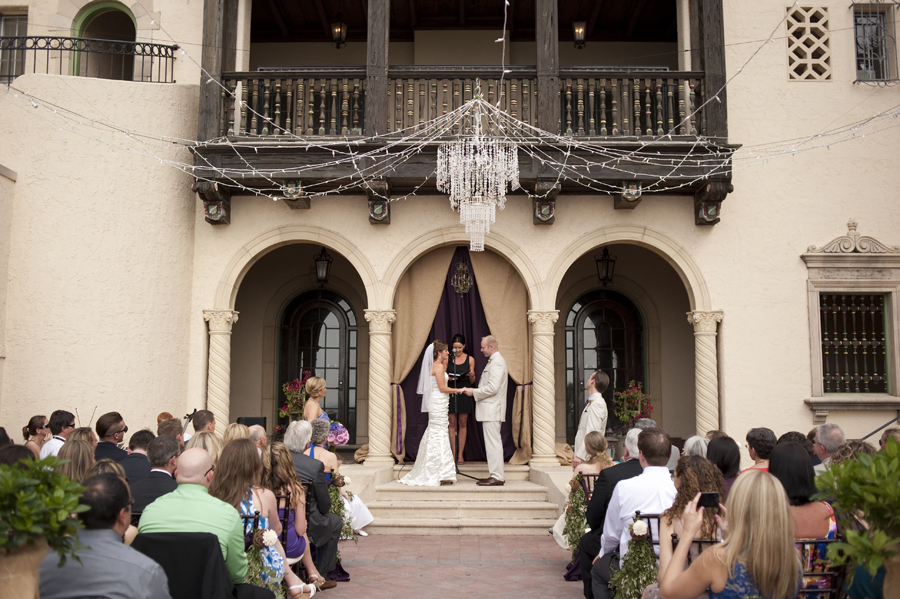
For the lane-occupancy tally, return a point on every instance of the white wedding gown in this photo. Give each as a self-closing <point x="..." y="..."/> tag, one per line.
<point x="434" y="462"/>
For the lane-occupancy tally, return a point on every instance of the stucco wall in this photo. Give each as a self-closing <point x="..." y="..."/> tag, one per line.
<point x="100" y="250"/>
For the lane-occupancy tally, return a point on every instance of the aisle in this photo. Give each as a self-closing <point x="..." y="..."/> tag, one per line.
<point x="445" y="567"/>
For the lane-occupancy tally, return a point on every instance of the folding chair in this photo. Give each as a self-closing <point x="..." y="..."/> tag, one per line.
<point x="821" y="578"/>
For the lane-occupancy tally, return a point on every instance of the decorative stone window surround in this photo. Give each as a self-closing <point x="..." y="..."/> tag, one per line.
<point x="853" y="264"/>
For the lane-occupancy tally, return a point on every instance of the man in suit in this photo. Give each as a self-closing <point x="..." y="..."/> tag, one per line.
<point x="490" y="409"/>
<point x="589" y="548"/>
<point x="323" y="528"/>
<point x="136" y="465"/>
<point x="593" y="418"/>
<point x="111" y="429"/>
<point x="162" y="453"/>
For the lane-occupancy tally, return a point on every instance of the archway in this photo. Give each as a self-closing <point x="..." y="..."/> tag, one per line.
<point x="111" y="27"/>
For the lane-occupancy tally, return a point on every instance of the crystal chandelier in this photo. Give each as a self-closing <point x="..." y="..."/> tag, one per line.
<point x="476" y="171"/>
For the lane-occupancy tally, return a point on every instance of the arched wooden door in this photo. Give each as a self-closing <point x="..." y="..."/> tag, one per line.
<point x="319" y="334"/>
<point x="604" y="331"/>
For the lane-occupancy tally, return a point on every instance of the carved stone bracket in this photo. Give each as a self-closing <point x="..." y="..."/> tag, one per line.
<point x="294" y="196"/>
<point x="708" y="201"/>
<point x="854" y="243"/>
<point x="544" y="202"/>
<point x="216" y="201"/>
<point x="378" y="193"/>
<point x="630" y="196"/>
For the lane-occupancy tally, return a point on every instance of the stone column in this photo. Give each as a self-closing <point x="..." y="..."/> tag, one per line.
<point x="542" y="390"/>
<point x="218" y="385"/>
<point x="380" y="322"/>
<point x="706" y="369"/>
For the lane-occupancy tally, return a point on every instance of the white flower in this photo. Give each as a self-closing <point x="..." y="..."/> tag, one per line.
<point x="639" y="528"/>
<point x="346" y="480"/>
<point x="270" y="538"/>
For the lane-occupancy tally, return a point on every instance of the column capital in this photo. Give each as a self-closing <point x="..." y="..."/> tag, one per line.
<point x="220" y="321"/>
<point x="705" y="321"/>
<point x="380" y="321"/>
<point x="542" y="321"/>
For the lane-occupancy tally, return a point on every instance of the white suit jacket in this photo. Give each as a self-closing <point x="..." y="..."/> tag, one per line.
<point x="490" y="396"/>
<point x="592" y="419"/>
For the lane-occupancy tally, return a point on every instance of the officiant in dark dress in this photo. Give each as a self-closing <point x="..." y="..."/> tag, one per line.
<point x="461" y="370"/>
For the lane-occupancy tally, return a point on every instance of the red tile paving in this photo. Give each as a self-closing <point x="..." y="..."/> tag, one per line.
<point x="447" y="567"/>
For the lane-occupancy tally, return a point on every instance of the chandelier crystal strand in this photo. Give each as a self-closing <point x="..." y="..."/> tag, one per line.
<point x="477" y="171"/>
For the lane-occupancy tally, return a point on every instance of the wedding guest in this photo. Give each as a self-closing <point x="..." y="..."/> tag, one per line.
<point x="204" y="422"/>
<point x="891" y="433"/>
<point x="792" y="466"/>
<point x="258" y="436"/>
<point x="693" y="474"/>
<point x="648" y="423"/>
<point x="208" y="441"/>
<point x="85" y="434"/>
<point x="595" y="447"/>
<point x="829" y="438"/>
<point x="162" y="456"/>
<point x="61" y="424"/>
<point x="108" y="466"/>
<point x="315" y="391"/>
<point x="725" y="454"/>
<point x="111" y="429"/>
<point x="696" y="445"/>
<point x="163" y="416"/>
<point x="136" y="465"/>
<point x="36" y="433"/>
<point x="172" y="428"/>
<point x="715" y="434"/>
<point x="80" y="458"/>
<point x="236" y="483"/>
<point x="760" y="442"/>
<point x="811" y="437"/>
<point x="758" y="556"/>
<point x="798" y="437"/>
<point x="4" y="438"/>
<point x="850" y="450"/>
<point x="280" y="478"/>
<point x="13" y="454"/>
<point x="233" y="432"/>
<point x="103" y="566"/>
<point x="461" y="369"/>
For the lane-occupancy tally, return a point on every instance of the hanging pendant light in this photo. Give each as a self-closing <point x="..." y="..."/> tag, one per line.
<point x="339" y="32"/>
<point x="606" y="264"/>
<point x="323" y="265"/>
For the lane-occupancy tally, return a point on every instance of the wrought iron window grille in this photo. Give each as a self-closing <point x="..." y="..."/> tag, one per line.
<point x="874" y="24"/>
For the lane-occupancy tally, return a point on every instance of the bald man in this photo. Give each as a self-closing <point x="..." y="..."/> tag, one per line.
<point x="258" y="436"/>
<point x="190" y="508"/>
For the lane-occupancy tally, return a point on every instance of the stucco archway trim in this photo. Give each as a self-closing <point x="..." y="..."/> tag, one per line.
<point x="456" y="235"/>
<point x="661" y="244"/>
<point x="252" y="251"/>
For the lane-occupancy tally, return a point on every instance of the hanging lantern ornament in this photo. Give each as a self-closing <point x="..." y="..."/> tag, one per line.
<point x="606" y="264"/>
<point x="477" y="171"/>
<point x="323" y="264"/>
<point x="462" y="280"/>
<point x="339" y="32"/>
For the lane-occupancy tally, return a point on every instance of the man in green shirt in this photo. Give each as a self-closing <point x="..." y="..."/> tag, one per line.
<point x="190" y="508"/>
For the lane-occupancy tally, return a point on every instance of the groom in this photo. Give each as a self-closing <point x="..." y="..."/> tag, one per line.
<point x="490" y="409"/>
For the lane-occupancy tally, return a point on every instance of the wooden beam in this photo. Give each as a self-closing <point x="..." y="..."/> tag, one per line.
<point x="712" y="23"/>
<point x="280" y="18"/>
<point x="511" y="21"/>
<point x="547" y="42"/>
<point x="592" y="22"/>
<point x="323" y="17"/>
<point x="412" y="17"/>
<point x="635" y="17"/>
<point x="462" y="13"/>
<point x="378" y="40"/>
<point x="211" y="61"/>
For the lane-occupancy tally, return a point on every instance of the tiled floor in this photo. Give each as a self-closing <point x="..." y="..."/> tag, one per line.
<point x="446" y="567"/>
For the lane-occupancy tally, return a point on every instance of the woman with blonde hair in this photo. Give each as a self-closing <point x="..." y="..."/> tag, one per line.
<point x="79" y="456"/>
<point x="235" y="431"/>
<point x="36" y="433"/>
<point x="84" y="433"/>
<point x="758" y="556"/>
<point x="315" y="391"/>
<point x="595" y="445"/>
<point x="208" y="441"/>
<point x="236" y="482"/>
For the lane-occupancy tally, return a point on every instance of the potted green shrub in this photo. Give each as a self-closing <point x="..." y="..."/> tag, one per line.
<point x="868" y="489"/>
<point x="37" y="513"/>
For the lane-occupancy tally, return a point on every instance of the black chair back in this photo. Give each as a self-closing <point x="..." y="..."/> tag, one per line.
<point x="697" y="546"/>
<point x="251" y="525"/>
<point x="135" y="518"/>
<point x="821" y="578"/>
<point x="587" y="483"/>
<point x="192" y="561"/>
<point x="284" y="505"/>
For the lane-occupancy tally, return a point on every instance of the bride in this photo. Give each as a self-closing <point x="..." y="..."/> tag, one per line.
<point x="434" y="463"/>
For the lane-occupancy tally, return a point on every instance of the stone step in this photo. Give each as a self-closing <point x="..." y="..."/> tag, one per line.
<point x="449" y="509"/>
<point x="462" y="490"/>
<point x="478" y="470"/>
<point x="460" y="526"/>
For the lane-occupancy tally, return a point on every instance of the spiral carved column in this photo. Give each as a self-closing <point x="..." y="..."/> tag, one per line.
<point x="380" y="322"/>
<point x="706" y="369"/>
<point x="218" y="384"/>
<point x="542" y="391"/>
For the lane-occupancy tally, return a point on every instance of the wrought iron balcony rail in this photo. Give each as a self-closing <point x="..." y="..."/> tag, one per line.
<point x="593" y="102"/>
<point x="105" y="59"/>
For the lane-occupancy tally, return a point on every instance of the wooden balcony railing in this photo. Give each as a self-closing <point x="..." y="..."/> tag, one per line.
<point x="332" y="101"/>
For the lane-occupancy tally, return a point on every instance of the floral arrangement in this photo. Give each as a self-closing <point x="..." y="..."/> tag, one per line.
<point x="632" y="404"/>
<point x="294" y="400"/>
<point x="337" y="434"/>
<point x="258" y="574"/>
<point x="639" y="567"/>
<point x="576" y="510"/>
<point x="338" y="508"/>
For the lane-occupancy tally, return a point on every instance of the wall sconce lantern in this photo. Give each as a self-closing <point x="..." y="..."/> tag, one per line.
<point x="578" y="28"/>
<point x="323" y="264"/>
<point x="339" y="32"/>
<point x="606" y="264"/>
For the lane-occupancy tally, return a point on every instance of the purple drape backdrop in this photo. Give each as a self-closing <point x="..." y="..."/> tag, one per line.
<point x="463" y="314"/>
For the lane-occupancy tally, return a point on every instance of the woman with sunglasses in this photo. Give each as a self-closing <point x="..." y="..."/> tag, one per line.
<point x="36" y="433"/>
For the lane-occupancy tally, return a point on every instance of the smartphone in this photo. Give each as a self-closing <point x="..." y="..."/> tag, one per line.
<point x="708" y="500"/>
